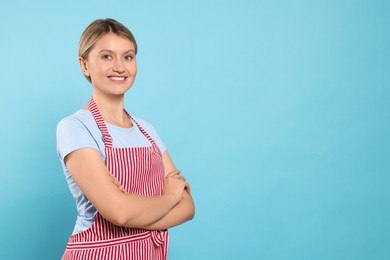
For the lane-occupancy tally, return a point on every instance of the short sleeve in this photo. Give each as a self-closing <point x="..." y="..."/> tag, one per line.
<point x="72" y="135"/>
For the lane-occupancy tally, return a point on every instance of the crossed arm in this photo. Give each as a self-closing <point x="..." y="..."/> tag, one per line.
<point x="172" y="208"/>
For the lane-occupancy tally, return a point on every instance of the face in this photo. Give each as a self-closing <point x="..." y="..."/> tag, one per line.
<point x="111" y="65"/>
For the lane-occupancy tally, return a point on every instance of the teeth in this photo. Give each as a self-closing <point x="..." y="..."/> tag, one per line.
<point x="117" y="78"/>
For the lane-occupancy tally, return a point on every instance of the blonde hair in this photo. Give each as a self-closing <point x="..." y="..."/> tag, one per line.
<point x="96" y="30"/>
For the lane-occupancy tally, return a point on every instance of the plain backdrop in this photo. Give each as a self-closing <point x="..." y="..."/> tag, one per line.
<point x="277" y="112"/>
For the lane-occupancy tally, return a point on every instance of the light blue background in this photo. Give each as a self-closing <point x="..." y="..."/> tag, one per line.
<point x="277" y="112"/>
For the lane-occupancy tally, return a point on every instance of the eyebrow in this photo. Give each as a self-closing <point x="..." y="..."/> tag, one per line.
<point x="106" y="50"/>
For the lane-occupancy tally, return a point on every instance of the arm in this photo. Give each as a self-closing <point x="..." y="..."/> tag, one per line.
<point x="91" y="175"/>
<point x="182" y="212"/>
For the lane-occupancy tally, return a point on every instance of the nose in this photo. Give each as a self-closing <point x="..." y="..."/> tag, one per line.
<point x="118" y="67"/>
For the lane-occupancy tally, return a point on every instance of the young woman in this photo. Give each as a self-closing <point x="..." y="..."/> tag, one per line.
<point x="126" y="187"/>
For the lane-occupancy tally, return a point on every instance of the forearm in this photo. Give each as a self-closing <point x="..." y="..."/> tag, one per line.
<point x="181" y="213"/>
<point x="137" y="211"/>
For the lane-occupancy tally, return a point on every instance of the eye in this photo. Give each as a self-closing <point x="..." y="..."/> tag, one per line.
<point x="128" y="57"/>
<point x="106" y="57"/>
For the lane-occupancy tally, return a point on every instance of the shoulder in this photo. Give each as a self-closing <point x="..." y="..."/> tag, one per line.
<point x="147" y="126"/>
<point x="76" y="131"/>
<point x="81" y="119"/>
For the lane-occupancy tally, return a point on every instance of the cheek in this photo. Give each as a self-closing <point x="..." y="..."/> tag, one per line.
<point x="100" y="69"/>
<point x="97" y="72"/>
<point x="134" y="68"/>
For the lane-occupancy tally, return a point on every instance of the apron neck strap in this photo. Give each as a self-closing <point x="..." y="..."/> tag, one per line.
<point x="107" y="139"/>
<point x="141" y="129"/>
<point x="100" y="122"/>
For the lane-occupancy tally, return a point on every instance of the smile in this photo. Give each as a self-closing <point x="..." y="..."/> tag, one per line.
<point x="113" y="78"/>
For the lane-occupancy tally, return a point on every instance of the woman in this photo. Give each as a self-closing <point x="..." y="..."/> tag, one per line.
<point x="126" y="187"/>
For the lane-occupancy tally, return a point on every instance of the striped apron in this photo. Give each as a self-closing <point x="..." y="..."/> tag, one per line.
<point x="139" y="170"/>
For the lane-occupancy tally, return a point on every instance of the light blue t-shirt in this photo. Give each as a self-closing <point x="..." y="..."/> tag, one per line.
<point x="80" y="130"/>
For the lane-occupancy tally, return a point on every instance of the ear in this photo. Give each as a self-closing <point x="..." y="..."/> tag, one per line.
<point x="83" y="66"/>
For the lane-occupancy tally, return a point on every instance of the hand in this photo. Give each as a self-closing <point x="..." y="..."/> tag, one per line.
<point x="175" y="184"/>
<point x="178" y="172"/>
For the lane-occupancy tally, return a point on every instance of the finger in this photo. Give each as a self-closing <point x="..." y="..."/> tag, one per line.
<point x="174" y="172"/>
<point x="180" y="177"/>
<point x="187" y="187"/>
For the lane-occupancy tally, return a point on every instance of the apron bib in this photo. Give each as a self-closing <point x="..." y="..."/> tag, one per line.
<point x="139" y="170"/>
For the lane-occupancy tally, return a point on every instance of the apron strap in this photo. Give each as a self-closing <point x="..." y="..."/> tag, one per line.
<point x="150" y="139"/>
<point x="107" y="139"/>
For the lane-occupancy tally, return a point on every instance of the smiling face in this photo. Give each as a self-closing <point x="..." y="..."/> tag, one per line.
<point x="111" y="65"/>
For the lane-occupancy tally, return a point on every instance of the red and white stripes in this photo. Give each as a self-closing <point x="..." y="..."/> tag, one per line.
<point x="139" y="170"/>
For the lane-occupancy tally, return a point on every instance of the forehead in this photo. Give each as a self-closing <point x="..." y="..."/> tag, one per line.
<point x="113" y="42"/>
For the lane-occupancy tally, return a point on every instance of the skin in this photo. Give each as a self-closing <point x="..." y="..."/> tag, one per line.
<point x="112" y="67"/>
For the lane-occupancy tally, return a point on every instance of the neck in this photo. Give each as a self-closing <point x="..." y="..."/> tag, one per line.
<point x="112" y="109"/>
